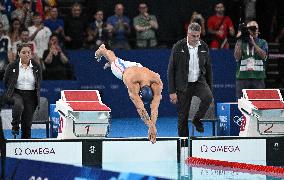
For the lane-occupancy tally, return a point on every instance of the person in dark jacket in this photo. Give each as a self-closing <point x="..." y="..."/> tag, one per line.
<point x="190" y="74"/>
<point x="22" y="81"/>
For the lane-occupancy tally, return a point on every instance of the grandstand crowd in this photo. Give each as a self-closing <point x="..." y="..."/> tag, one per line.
<point x="51" y="29"/>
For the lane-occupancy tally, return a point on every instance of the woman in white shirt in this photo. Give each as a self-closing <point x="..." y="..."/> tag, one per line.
<point x="22" y="82"/>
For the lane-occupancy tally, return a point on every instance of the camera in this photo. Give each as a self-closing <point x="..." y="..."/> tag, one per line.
<point x="245" y="32"/>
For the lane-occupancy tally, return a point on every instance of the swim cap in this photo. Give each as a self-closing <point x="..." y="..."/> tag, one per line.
<point x="146" y="94"/>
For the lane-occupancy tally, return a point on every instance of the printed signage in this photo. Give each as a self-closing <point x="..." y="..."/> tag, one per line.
<point x="236" y="150"/>
<point x="56" y="152"/>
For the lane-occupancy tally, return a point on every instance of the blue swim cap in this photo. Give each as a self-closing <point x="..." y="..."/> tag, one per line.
<point x="146" y="94"/>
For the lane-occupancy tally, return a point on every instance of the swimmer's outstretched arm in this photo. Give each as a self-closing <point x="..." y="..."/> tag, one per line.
<point x="157" y="91"/>
<point x="133" y="91"/>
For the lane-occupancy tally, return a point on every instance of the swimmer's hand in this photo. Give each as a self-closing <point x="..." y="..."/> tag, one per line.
<point x="152" y="132"/>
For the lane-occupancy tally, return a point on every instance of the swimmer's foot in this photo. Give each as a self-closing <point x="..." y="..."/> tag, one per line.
<point x="98" y="53"/>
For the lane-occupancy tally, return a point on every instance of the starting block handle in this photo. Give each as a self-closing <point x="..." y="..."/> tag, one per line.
<point x="244" y="111"/>
<point x="63" y="114"/>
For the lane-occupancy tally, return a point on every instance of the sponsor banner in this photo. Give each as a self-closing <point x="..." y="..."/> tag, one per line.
<point x="56" y="152"/>
<point x="251" y="151"/>
<point x="54" y="118"/>
<point x="230" y="119"/>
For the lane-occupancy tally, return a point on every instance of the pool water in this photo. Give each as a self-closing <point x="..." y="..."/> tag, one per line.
<point x="182" y="171"/>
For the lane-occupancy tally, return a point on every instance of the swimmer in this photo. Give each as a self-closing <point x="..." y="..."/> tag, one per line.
<point x="144" y="86"/>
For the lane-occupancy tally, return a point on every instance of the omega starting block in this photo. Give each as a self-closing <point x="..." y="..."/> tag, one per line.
<point x="82" y="115"/>
<point x="263" y="112"/>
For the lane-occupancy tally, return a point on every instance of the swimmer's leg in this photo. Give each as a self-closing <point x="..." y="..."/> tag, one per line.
<point x="108" y="54"/>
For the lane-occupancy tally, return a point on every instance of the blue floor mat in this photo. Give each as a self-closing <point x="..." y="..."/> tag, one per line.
<point x="134" y="127"/>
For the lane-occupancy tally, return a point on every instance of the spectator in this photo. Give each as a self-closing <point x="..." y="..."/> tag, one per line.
<point x="280" y="36"/>
<point x="119" y="26"/>
<point x="250" y="9"/>
<point x="39" y="34"/>
<point x="55" y="61"/>
<point x="4" y="18"/>
<point x="52" y="3"/>
<point x="55" y="24"/>
<point x="24" y="38"/>
<point x="145" y="26"/>
<point x="198" y="18"/>
<point x="75" y="27"/>
<point x="5" y="51"/>
<point x="48" y="6"/>
<point x="97" y="32"/>
<point x="219" y="26"/>
<point x="23" y="12"/>
<point x="15" y="31"/>
<point x="250" y="54"/>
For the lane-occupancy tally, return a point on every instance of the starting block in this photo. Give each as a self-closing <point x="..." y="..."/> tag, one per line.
<point x="82" y="115"/>
<point x="263" y="112"/>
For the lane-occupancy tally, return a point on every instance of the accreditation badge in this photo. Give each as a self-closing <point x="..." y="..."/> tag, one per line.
<point x="250" y="64"/>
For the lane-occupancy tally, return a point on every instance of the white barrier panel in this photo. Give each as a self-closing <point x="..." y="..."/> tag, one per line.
<point x="55" y="152"/>
<point x="251" y="151"/>
<point x="137" y="155"/>
<point x="139" y="151"/>
<point x="112" y="150"/>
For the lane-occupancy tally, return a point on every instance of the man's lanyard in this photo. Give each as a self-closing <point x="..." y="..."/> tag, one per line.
<point x="248" y="50"/>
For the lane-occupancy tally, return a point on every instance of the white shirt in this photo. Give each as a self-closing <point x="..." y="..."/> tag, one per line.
<point x="193" y="66"/>
<point x="41" y="39"/>
<point x="26" y="79"/>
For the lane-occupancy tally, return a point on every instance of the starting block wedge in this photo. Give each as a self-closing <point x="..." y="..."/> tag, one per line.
<point x="263" y="112"/>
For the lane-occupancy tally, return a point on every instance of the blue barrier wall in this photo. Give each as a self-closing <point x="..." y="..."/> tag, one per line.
<point x="90" y="75"/>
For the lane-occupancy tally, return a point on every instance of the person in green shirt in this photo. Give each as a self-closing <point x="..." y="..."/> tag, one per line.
<point x="251" y="55"/>
<point x="145" y="26"/>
